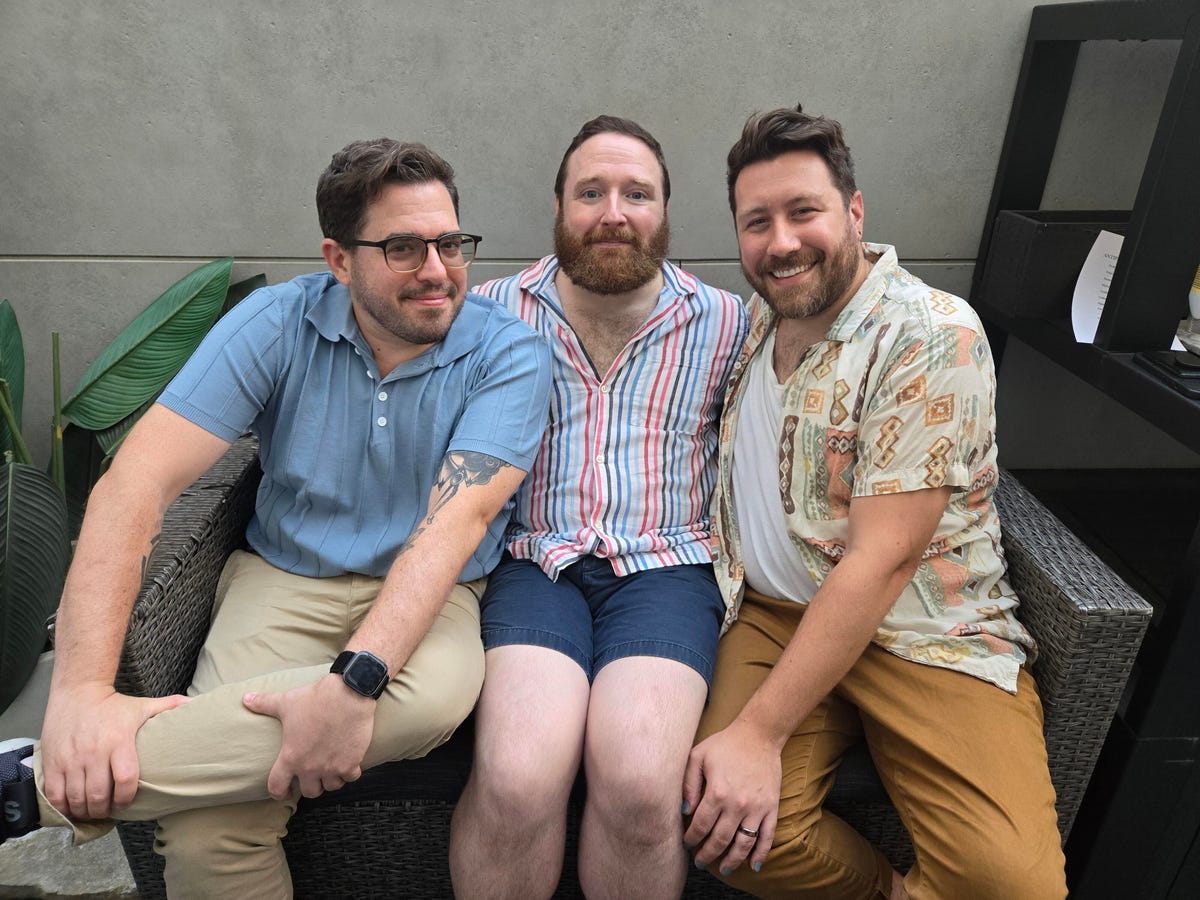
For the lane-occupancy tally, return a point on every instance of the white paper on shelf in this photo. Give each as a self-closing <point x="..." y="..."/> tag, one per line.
<point x="1091" y="288"/>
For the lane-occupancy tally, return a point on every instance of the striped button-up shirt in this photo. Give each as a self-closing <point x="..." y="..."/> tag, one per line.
<point x="627" y="465"/>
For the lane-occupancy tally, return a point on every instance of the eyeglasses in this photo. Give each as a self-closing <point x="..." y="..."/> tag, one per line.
<point x="407" y="253"/>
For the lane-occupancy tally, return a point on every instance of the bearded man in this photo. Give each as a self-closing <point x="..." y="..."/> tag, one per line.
<point x="859" y="548"/>
<point x="600" y="624"/>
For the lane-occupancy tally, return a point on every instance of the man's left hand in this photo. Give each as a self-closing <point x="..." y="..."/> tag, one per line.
<point x="326" y="730"/>
<point x="732" y="782"/>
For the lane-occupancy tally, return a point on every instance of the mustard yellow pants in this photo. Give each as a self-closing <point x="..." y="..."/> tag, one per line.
<point x="204" y="765"/>
<point x="963" y="761"/>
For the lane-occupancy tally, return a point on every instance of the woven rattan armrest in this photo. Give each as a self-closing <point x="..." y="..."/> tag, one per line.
<point x="171" y="614"/>
<point x="1088" y="624"/>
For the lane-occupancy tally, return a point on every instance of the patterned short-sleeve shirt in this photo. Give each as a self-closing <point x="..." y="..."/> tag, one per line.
<point x="900" y="396"/>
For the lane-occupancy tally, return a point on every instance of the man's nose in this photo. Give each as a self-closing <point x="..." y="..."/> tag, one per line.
<point x="432" y="269"/>
<point x="783" y="239"/>
<point x="614" y="213"/>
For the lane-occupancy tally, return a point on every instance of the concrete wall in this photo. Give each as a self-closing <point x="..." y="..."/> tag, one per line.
<point x="143" y="138"/>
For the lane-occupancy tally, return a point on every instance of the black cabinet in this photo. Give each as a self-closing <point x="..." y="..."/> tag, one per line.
<point x="1138" y="833"/>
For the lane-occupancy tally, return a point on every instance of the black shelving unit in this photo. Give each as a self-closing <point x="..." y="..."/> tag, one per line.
<point x="1138" y="832"/>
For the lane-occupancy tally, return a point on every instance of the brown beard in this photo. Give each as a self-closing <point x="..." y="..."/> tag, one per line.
<point x="610" y="270"/>
<point x="838" y="272"/>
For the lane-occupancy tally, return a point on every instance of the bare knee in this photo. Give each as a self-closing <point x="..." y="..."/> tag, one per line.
<point x="515" y="790"/>
<point x="640" y="807"/>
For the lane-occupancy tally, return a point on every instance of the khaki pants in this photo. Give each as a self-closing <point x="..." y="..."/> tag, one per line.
<point x="204" y="765"/>
<point x="963" y="761"/>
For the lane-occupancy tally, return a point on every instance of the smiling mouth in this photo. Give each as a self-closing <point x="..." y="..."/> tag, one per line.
<point x="794" y="270"/>
<point x="441" y="295"/>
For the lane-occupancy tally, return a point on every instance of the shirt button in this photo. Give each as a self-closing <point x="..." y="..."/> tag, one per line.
<point x="604" y="388"/>
<point x="381" y="421"/>
<point x="599" y="457"/>
<point x="383" y="395"/>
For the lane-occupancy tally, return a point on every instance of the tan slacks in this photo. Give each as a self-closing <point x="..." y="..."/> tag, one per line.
<point x="204" y="765"/>
<point x="963" y="761"/>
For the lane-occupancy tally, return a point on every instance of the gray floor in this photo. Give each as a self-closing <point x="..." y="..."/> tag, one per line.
<point x="45" y="864"/>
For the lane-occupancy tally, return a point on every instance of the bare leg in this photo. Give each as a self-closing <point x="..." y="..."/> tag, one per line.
<point x="641" y="722"/>
<point x="509" y="827"/>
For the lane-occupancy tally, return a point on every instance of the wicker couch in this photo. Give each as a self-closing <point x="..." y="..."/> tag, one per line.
<point x="386" y="835"/>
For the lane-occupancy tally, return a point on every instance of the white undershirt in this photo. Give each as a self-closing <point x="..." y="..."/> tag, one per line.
<point x="773" y="567"/>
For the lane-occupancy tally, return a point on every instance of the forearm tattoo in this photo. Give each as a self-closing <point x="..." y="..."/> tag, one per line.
<point x="150" y="556"/>
<point x="459" y="470"/>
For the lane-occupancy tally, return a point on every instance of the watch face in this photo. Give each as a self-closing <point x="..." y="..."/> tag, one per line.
<point x="366" y="674"/>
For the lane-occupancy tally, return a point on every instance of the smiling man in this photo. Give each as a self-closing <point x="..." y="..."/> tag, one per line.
<point x="397" y="414"/>
<point x="859" y="547"/>
<point x="601" y="622"/>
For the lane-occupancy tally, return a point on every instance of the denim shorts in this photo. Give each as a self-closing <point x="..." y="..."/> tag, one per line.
<point x="595" y="616"/>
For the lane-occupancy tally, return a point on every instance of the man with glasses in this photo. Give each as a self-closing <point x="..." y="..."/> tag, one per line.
<point x="397" y="414"/>
<point x="601" y="621"/>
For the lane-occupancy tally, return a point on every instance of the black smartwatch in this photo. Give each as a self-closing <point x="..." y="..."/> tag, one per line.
<point x="364" y="673"/>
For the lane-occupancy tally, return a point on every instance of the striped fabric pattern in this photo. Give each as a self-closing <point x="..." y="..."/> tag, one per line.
<point x="626" y="468"/>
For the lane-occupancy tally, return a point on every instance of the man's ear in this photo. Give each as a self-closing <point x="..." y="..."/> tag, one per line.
<point x="557" y="206"/>
<point x="857" y="212"/>
<point x="337" y="258"/>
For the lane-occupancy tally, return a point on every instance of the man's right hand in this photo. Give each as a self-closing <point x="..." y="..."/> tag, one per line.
<point x="89" y="761"/>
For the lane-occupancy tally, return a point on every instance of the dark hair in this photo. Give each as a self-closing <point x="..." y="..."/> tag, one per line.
<point x="771" y="134"/>
<point x="613" y="125"/>
<point x="357" y="174"/>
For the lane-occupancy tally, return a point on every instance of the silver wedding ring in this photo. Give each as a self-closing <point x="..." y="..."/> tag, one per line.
<point x="747" y="832"/>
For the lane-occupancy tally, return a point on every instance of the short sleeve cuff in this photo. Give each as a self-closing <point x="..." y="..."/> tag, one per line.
<point x="523" y="461"/>
<point x="899" y="481"/>
<point x="197" y="416"/>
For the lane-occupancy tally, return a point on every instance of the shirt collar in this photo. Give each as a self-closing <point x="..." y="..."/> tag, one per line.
<point x="866" y="298"/>
<point x="331" y="313"/>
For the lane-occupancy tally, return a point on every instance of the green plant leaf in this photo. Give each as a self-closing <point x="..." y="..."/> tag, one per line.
<point x="140" y="361"/>
<point x="110" y="438"/>
<point x="83" y="464"/>
<point x="12" y="367"/>
<point x="243" y="289"/>
<point x="33" y="563"/>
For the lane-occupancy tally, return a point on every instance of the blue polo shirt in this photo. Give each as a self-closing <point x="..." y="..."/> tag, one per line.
<point x="349" y="458"/>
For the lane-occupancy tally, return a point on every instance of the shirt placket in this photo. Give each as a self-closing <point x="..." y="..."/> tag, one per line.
<point x="593" y="488"/>
<point x="378" y="411"/>
<point x="600" y="397"/>
<point x="601" y="401"/>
